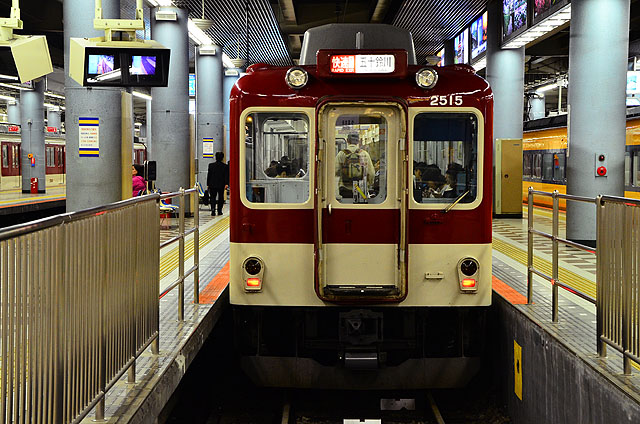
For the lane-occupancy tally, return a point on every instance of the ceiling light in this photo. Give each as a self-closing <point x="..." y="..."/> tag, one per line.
<point x="549" y="24"/>
<point x="15" y="87"/>
<point x="547" y="87"/>
<point x="197" y="35"/>
<point x="8" y="98"/>
<point x="142" y="95"/>
<point x="9" y="77"/>
<point x="226" y="61"/>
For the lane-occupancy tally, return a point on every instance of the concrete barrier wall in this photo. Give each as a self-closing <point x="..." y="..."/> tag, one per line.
<point x="559" y="385"/>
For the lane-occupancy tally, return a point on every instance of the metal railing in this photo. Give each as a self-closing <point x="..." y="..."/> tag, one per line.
<point x="180" y="238"/>
<point x="555" y="240"/>
<point x="78" y="304"/>
<point x="618" y="277"/>
<point x="618" y="270"/>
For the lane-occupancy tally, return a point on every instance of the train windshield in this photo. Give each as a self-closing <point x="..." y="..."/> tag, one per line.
<point x="445" y="151"/>
<point x="277" y="157"/>
<point x="361" y="159"/>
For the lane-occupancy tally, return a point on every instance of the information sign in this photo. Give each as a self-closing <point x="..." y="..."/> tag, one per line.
<point x="362" y="64"/>
<point x="89" y="133"/>
<point x="207" y="147"/>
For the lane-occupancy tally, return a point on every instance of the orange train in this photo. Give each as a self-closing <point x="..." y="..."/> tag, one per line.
<point x="544" y="162"/>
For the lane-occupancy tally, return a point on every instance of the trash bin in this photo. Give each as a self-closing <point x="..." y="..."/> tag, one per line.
<point x="34" y="186"/>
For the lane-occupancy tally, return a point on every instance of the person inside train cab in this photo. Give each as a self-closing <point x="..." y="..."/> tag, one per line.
<point x="353" y="164"/>
<point x="138" y="180"/>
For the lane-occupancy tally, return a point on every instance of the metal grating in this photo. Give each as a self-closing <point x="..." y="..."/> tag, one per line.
<point x="433" y="21"/>
<point x="244" y="28"/>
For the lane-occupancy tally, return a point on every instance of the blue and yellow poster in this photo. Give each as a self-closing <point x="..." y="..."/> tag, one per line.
<point x="89" y="133"/>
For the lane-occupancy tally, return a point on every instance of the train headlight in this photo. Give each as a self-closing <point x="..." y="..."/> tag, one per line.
<point x="252" y="274"/>
<point x="297" y="78"/>
<point x="426" y="78"/>
<point x="468" y="273"/>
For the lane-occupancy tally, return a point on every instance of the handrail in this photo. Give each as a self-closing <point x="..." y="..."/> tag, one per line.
<point x="617" y="275"/>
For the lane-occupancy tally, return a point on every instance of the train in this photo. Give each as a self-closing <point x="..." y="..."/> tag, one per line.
<point x="544" y="158"/>
<point x="360" y="232"/>
<point x="55" y="157"/>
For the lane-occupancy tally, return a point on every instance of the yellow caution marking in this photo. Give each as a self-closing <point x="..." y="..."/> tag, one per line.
<point x="567" y="277"/>
<point x="169" y="261"/>
<point x="517" y="369"/>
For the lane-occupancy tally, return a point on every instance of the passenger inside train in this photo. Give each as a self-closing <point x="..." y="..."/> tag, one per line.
<point x="355" y="170"/>
<point x="445" y="150"/>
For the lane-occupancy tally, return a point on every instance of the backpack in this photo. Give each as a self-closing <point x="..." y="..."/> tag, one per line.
<point x="351" y="168"/>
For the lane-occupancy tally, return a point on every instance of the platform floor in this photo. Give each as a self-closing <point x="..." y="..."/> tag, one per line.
<point x="157" y="376"/>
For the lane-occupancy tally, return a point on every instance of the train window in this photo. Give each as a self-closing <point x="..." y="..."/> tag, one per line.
<point x="537" y="166"/>
<point x="559" y="167"/>
<point x="277" y="157"/>
<point x="547" y="166"/>
<point x="49" y="157"/>
<point x="445" y="147"/>
<point x="5" y="156"/>
<point x="526" y="165"/>
<point x="636" y="169"/>
<point x="16" y="156"/>
<point x="627" y="169"/>
<point x="361" y="159"/>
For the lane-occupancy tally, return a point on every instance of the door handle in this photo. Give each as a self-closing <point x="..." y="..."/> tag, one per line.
<point x="329" y="208"/>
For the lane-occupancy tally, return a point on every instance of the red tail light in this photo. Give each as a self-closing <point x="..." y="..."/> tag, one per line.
<point x="468" y="283"/>
<point x="253" y="282"/>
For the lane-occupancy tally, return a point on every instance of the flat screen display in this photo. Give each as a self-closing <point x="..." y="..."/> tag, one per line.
<point x="514" y="13"/>
<point x="460" y="53"/>
<point x="440" y="54"/>
<point x="100" y="64"/>
<point x="192" y="85"/>
<point x="544" y="8"/>
<point x="143" y="65"/>
<point x="633" y="82"/>
<point x="479" y="36"/>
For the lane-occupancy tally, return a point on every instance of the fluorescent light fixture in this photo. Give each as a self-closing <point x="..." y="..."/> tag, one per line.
<point x="547" y="87"/>
<point x="153" y="3"/>
<point x="166" y="15"/>
<point x="481" y="64"/>
<point x="559" y="18"/>
<point x="207" y="50"/>
<point x="226" y="61"/>
<point x="9" y="77"/>
<point x="197" y="35"/>
<point x="164" y="2"/>
<point x="8" y="98"/>
<point x="57" y="96"/>
<point x="51" y="106"/>
<point x="142" y="95"/>
<point x="15" y="87"/>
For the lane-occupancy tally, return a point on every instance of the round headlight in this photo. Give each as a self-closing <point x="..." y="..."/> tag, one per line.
<point x="426" y="77"/>
<point x="252" y="266"/>
<point x="297" y="78"/>
<point x="469" y="267"/>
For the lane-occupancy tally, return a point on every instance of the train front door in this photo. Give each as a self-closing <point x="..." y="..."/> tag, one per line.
<point x="361" y="204"/>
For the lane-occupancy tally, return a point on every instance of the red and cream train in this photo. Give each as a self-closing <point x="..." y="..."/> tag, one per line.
<point x="361" y="226"/>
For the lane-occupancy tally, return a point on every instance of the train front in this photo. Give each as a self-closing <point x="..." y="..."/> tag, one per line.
<point x="360" y="216"/>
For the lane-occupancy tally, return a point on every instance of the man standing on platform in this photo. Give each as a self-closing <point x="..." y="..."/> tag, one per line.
<point x="217" y="182"/>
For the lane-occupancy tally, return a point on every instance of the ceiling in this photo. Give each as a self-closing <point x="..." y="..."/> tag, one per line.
<point x="271" y="31"/>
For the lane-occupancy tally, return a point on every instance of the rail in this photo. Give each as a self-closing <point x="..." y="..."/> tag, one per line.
<point x="180" y="238"/>
<point x="617" y="274"/>
<point x="78" y="304"/>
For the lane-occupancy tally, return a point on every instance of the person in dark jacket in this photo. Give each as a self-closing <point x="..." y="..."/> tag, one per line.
<point x="217" y="182"/>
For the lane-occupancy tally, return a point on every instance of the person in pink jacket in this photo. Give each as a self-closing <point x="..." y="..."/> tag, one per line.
<point x="138" y="179"/>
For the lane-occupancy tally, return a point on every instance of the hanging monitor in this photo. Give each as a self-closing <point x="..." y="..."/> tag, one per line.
<point x="479" y="36"/>
<point x="545" y="8"/>
<point x="119" y="64"/>
<point x="25" y="58"/>
<point x="514" y="18"/>
<point x="460" y="49"/>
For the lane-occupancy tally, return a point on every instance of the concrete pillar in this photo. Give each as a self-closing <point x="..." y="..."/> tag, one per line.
<point x="537" y="106"/>
<point x="448" y="52"/>
<point x="54" y="117"/>
<point x="170" y="144"/>
<point x="505" y="72"/>
<point x="13" y="112"/>
<point x="596" y="106"/>
<point x="32" y="121"/>
<point x="209" y="109"/>
<point x="91" y="181"/>
<point x="231" y="75"/>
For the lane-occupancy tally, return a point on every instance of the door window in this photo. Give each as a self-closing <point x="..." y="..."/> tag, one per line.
<point x="5" y="156"/>
<point x="445" y="151"/>
<point x="361" y="159"/>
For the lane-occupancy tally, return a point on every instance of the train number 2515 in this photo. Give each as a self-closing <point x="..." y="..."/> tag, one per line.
<point x="450" y="100"/>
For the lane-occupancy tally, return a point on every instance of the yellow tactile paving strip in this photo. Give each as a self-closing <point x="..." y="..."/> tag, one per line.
<point x="567" y="277"/>
<point x="169" y="261"/>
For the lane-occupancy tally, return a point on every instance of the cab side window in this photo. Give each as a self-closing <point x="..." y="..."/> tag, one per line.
<point x="277" y="157"/>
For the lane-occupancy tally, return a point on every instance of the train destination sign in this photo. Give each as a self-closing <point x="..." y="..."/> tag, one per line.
<point x="362" y="64"/>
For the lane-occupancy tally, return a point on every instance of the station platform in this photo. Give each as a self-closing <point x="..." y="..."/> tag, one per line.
<point x="572" y="341"/>
<point x="16" y="202"/>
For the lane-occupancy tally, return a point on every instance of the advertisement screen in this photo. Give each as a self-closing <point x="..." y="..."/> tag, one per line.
<point x="514" y="13"/>
<point x="440" y="54"/>
<point x="460" y="53"/>
<point x="633" y="82"/>
<point x="479" y="36"/>
<point x="192" y="85"/>
<point x="100" y="64"/>
<point x="544" y="8"/>
<point x="143" y="65"/>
